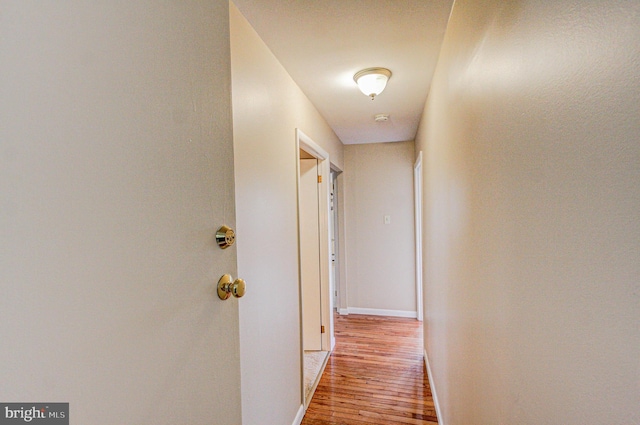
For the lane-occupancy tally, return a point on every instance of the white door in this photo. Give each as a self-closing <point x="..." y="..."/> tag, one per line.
<point x="310" y="255"/>
<point x="116" y="169"/>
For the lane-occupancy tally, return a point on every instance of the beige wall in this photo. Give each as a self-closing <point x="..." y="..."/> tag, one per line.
<point x="115" y="145"/>
<point x="268" y="107"/>
<point x="381" y="257"/>
<point x="532" y="257"/>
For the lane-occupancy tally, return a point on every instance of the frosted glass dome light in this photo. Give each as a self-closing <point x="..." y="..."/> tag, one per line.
<point x="372" y="81"/>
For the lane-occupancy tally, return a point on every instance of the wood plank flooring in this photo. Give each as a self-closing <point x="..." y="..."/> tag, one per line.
<point x="375" y="375"/>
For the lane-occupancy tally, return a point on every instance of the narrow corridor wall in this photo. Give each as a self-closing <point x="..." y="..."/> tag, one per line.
<point x="267" y="108"/>
<point x="531" y="230"/>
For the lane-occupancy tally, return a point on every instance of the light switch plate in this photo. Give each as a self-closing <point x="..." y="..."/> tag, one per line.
<point x="387" y="219"/>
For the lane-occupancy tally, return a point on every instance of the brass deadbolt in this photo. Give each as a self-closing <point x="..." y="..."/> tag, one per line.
<point x="227" y="287"/>
<point x="225" y="237"/>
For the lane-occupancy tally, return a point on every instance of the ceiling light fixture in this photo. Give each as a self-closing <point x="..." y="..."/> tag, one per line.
<point x="372" y="81"/>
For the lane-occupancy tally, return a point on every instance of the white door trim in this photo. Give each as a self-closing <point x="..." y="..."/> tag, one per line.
<point x="305" y="143"/>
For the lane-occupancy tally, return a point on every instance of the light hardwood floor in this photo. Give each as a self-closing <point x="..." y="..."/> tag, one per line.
<point x="375" y="376"/>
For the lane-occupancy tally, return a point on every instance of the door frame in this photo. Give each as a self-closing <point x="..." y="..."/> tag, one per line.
<point x="305" y="143"/>
<point x="339" y="228"/>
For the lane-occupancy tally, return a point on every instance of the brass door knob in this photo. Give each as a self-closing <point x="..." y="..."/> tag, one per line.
<point x="227" y="287"/>
<point x="225" y="237"/>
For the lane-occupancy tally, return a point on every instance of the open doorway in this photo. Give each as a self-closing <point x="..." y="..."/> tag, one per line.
<point x="314" y="243"/>
<point x="336" y="229"/>
<point x="309" y="228"/>
<point x="333" y="230"/>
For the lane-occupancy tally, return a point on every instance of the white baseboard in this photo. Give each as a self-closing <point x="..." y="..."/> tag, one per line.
<point x="343" y="311"/>
<point x="436" y="404"/>
<point x="299" y="416"/>
<point x="380" y="312"/>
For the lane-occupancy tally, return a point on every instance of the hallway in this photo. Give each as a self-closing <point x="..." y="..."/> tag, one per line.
<point x="375" y="376"/>
<point x="133" y="133"/>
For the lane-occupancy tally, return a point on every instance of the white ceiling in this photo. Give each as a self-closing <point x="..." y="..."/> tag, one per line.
<point x="323" y="43"/>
